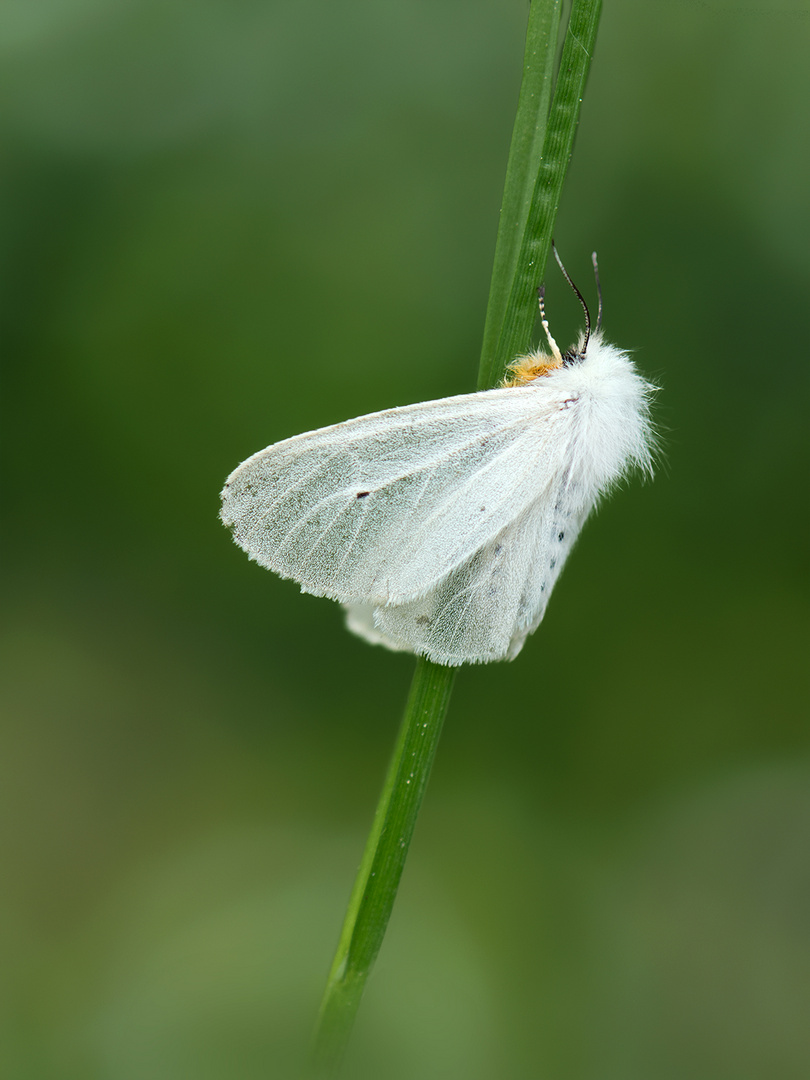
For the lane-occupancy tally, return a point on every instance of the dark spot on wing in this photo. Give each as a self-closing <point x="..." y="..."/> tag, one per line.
<point x="561" y="536"/>
<point x="552" y="564"/>
<point x="422" y="620"/>
<point x="362" y="494"/>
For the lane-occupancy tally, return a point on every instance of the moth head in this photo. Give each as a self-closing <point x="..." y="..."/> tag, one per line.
<point x="534" y="365"/>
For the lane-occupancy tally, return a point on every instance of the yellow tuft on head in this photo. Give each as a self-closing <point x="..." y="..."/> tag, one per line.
<point x="526" y="369"/>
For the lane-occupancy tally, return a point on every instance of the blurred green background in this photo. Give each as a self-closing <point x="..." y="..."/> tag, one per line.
<point x="227" y="222"/>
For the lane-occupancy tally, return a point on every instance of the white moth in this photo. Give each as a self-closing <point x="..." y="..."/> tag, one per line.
<point x="443" y="526"/>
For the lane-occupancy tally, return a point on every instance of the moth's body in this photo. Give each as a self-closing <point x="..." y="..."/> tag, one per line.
<point x="443" y="526"/>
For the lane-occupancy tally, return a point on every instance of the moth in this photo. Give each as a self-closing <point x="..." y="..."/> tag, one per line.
<point x="443" y="526"/>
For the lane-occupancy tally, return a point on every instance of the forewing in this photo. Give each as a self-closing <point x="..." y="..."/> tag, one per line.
<point x="380" y="509"/>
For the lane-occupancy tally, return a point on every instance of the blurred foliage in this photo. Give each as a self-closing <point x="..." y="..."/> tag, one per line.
<point x="225" y="223"/>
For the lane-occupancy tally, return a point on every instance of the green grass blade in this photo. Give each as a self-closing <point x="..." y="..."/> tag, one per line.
<point x="509" y="326"/>
<point x="377" y="880"/>
<point x="541" y="148"/>
<point x="522" y="167"/>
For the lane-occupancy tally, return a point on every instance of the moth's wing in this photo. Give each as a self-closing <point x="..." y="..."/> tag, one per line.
<point x="381" y="508"/>
<point x="566" y="522"/>
<point x="486" y="607"/>
<point x="361" y="620"/>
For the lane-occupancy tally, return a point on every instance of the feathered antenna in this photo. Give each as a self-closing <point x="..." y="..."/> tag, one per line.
<point x="567" y="277"/>
<point x="555" y="348"/>
<point x="598" y="291"/>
